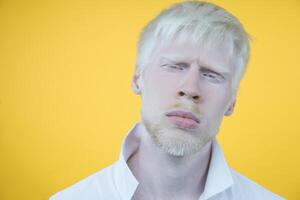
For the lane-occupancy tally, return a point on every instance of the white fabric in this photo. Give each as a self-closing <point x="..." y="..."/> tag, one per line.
<point x="116" y="182"/>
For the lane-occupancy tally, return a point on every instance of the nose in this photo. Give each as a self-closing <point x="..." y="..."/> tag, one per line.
<point x="189" y="87"/>
<point x="192" y="96"/>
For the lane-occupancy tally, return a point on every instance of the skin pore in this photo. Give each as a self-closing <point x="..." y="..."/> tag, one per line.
<point x="172" y="162"/>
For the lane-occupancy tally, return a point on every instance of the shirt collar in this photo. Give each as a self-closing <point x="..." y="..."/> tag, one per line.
<point x="219" y="177"/>
<point x="125" y="181"/>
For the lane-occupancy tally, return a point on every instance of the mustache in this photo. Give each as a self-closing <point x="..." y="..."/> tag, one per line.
<point x="188" y="107"/>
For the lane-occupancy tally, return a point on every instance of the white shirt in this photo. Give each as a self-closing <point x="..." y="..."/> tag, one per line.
<point x="117" y="182"/>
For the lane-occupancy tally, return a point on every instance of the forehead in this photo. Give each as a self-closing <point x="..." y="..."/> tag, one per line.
<point x="217" y="55"/>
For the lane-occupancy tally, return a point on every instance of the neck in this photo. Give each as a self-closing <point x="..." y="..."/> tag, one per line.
<point x="163" y="176"/>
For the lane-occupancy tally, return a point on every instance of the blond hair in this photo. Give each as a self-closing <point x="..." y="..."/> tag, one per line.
<point x="204" y="23"/>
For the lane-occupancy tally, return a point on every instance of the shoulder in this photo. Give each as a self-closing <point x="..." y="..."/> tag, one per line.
<point x="248" y="189"/>
<point x="99" y="185"/>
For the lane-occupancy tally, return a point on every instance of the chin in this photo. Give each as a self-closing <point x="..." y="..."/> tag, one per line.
<point x="176" y="142"/>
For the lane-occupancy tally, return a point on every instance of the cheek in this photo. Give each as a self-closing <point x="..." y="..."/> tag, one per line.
<point x="163" y="81"/>
<point x="215" y="99"/>
<point x="160" y="87"/>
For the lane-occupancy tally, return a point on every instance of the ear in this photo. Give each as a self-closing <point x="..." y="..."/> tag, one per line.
<point x="135" y="83"/>
<point x="230" y="109"/>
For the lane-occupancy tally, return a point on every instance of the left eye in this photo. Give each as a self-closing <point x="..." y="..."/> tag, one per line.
<point x="210" y="75"/>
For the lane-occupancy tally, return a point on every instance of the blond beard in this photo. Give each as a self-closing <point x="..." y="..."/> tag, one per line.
<point x="175" y="141"/>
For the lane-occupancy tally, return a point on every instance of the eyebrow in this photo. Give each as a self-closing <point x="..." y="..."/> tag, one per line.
<point x="218" y="70"/>
<point x="168" y="59"/>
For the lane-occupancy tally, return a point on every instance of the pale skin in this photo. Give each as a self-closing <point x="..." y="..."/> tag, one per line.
<point x="168" y="177"/>
<point x="182" y="76"/>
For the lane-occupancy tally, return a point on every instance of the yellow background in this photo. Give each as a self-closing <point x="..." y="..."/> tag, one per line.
<point x="66" y="102"/>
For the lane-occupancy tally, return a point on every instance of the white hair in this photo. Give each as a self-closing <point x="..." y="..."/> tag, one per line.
<point x="204" y="23"/>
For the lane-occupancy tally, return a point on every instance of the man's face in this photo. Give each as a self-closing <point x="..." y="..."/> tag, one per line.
<point x="186" y="90"/>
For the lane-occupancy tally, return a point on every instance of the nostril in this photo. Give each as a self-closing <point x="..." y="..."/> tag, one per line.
<point x="181" y="93"/>
<point x="195" y="97"/>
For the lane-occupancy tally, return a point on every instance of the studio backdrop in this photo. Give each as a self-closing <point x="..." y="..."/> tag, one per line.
<point x="66" y="101"/>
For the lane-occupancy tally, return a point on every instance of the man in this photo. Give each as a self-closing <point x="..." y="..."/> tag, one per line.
<point x="190" y="61"/>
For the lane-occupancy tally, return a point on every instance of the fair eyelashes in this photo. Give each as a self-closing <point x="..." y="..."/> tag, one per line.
<point x="205" y="72"/>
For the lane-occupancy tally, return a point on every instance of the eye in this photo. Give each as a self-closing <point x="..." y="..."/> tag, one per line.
<point x="173" y="66"/>
<point x="177" y="67"/>
<point x="212" y="76"/>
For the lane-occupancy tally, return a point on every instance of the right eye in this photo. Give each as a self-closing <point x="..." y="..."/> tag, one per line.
<point x="173" y="66"/>
<point x="176" y="67"/>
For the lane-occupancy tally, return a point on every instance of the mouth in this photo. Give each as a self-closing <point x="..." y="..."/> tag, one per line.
<point x="183" y="119"/>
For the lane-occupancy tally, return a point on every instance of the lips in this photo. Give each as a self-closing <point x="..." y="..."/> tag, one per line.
<point x="183" y="114"/>
<point x="182" y="119"/>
